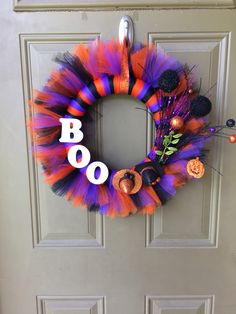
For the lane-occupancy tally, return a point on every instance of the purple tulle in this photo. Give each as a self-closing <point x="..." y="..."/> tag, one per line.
<point x="167" y="184"/>
<point x="56" y="99"/>
<point x="44" y="121"/>
<point x="190" y="151"/>
<point x="156" y="64"/>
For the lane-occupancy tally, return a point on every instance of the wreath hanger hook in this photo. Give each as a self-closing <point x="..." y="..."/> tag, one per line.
<point x="126" y="31"/>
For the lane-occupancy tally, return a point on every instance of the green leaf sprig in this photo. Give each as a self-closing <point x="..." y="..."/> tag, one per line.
<point x="168" y="142"/>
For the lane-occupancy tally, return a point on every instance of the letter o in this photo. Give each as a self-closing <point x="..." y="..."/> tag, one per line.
<point x="91" y="171"/>
<point x="72" y="156"/>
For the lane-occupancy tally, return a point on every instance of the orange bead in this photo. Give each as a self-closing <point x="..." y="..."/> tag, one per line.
<point x="176" y="122"/>
<point x="232" y="138"/>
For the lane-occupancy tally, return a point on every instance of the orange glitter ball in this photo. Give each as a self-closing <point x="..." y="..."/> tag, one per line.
<point x="232" y="138"/>
<point x="176" y="122"/>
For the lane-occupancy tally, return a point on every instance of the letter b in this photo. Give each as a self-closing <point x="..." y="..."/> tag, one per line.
<point x="71" y="127"/>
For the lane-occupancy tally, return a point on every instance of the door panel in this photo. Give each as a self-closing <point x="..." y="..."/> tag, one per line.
<point x="59" y="259"/>
<point x="208" y="54"/>
<point x="54" y="221"/>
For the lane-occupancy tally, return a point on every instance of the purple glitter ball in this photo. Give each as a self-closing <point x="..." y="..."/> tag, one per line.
<point x="230" y="123"/>
<point x="212" y="130"/>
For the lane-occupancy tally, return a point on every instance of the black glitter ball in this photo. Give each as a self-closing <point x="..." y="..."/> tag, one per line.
<point x="168" y="81"/>
<point x="200" y="106"/>
<point x="230" y="123"/>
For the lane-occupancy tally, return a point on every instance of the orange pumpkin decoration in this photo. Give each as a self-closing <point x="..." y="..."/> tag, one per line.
<point x="195" y="168"/>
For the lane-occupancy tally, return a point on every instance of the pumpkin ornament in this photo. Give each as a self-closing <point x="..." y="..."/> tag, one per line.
<point x="195" y="168"/>
<point x="101" y="68"/>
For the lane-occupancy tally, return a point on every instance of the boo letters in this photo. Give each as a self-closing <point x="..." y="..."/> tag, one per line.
<point x="71" y="133"/>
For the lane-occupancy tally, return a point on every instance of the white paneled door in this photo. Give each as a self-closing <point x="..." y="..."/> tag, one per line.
<point x="56" y="259"/>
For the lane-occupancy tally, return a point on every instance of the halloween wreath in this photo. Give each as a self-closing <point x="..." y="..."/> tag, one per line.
<point x="165" y="87"/>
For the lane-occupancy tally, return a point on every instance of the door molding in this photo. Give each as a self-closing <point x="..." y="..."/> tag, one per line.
<point x="159" y="304"/>
<point x="65" y="5"/>
<point x="54" y="304"/>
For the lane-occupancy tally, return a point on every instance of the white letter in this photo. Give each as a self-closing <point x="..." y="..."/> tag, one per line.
<point x="91" y="172"/>
<point x="72" y="156"/>
<point x="69" y="127"/>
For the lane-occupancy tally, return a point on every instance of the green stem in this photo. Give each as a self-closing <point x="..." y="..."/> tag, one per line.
<point x="163" y="153"/>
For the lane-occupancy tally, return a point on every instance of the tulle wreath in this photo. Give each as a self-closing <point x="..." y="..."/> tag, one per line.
<point x="98" y="69"/>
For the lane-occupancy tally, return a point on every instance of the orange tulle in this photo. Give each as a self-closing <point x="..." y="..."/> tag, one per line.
<point x="178" y="170"/>
<point x="43" y="110"/>
<point x="194" y="125"/>
<point x="128" y="206"/>
<point x="61" y="173"/>
<point x="138" y="61"/>
<point x="149" y="209"/>
<point x="81" y="51"/>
